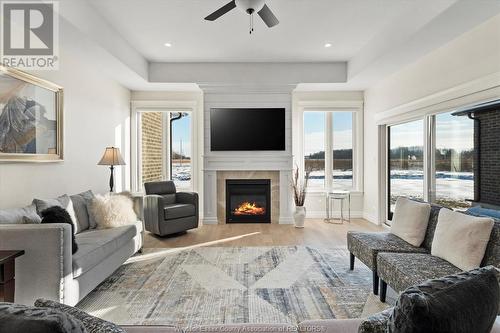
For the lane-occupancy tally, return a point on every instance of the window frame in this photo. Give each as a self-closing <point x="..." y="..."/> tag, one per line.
<point x="137" y="107"/>
<point x="356" y="107"/>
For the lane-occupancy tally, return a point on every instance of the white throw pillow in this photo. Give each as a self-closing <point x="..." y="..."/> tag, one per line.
<point x="410" y="220"/>
<point x="461" y="239"/>
<point x="113" y="210"/>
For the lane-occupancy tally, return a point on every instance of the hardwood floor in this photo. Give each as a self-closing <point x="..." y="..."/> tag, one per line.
<point x="316" y="233"/>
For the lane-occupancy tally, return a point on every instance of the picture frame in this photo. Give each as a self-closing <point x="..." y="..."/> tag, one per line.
<point x="31" y="118"/>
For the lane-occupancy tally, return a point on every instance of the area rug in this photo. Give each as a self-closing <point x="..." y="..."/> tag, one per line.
<point x="222" y="285"/>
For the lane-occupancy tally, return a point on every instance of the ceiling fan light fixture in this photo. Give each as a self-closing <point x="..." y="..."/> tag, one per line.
<point x="327" y="45"/>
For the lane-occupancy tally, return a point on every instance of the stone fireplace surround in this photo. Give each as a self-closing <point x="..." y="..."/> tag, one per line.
<point x="277" y="168"/>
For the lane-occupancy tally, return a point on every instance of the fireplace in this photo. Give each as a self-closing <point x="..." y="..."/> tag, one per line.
<point x="248" y="201"/>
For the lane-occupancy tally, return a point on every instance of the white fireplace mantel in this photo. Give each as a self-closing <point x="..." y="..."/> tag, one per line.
<point x="252" y="162"/>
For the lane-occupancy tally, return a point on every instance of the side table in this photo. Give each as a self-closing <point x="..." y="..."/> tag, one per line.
<point x="7" y="273"/>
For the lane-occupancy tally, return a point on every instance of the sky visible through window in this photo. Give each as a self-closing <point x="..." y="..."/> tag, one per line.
<point x="181" y="131"/>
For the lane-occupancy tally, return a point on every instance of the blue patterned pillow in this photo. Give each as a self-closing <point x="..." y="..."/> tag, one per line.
<point x="92" y="324"/>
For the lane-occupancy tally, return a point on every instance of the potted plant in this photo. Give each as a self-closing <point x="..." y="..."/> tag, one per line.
<point x="299" y="196"/>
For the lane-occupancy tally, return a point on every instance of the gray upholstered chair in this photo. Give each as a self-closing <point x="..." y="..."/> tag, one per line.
<point x="167" y="211"/>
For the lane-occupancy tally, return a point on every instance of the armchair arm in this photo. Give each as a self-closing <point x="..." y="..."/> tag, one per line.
<point x="188" y="198"/>
<point x="153" y="211"/>
<point x="46" y="267"/>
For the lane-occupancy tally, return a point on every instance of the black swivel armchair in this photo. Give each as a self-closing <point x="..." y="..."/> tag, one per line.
<point x="167" y="211"/>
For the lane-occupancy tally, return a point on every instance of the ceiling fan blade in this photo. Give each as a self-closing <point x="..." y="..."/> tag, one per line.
<point x="221" y="11"/>
<point x="268" y="17"/>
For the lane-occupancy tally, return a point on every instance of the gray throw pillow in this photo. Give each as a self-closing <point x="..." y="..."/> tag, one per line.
<point x="81" y="212"/>
<point x="25" y="215"/>
<point x="20" y="318"/>
<point x="462" y="303"/>
<point x="92" y="324"/>
<point x="63" y="201"/>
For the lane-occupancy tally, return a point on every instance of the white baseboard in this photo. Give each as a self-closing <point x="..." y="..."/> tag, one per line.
<point x="335" y="214"/>
<point x="210" y="220"/>
<point x="371" y="218"/>
<point x="286" y="220"/>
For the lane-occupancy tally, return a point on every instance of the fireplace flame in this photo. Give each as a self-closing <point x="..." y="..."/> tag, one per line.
<point x="247" y="208"/>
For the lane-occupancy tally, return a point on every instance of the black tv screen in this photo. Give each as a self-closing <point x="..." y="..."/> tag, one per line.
<point x="247" y="129"/>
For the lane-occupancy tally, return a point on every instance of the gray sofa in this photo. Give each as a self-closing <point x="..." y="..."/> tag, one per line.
<point x="48" y="269"/>
<point x="167" y="211"/>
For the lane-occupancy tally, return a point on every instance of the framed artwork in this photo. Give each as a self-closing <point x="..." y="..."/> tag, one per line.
<point x="31" y="118"/>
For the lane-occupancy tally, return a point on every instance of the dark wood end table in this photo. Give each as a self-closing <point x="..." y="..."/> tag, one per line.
<point x="7" y="273"/>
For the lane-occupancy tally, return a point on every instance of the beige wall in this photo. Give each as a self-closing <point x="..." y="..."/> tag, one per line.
<point x="473" y="55"/>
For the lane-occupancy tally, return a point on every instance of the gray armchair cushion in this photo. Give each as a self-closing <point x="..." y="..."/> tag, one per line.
<point x="160" y="188"/>
<point x="402" y="270"/>
<point x="461" y="303"/>
<point x="20" y="318"/>
<point x="366" y="245"/>
<point x="25" y="215"/>
<point x="179" y="210"/>
<point x="92" y="324"/>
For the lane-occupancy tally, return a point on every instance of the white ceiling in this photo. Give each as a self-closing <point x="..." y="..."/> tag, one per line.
<point x="372" y="38"/>
<point x="305" y="26"/>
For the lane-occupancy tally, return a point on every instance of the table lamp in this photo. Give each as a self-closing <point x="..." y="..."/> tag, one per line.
<point x="111" y="157"/>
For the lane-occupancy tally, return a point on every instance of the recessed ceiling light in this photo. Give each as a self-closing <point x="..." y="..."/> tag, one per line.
<point x="328" y="45"/>
<point x="168" y="44"/>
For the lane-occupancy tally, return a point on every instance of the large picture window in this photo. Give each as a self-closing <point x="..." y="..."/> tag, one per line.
<point x="432" y="159"/>
<point x="328" y="149"/>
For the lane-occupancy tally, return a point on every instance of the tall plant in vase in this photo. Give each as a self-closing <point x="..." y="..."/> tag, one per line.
<point x="299" y="188"/>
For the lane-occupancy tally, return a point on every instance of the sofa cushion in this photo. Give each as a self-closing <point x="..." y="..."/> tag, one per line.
<point x="21" y="318"/>
<point x="461" y="239"/>
<point x="410" y="220"/>
<point x="81" y="212"/>
<point x="96" y="245"/>
<point x="366" y="245"/>
<point x="462" y="303"/>
<point x="25" y="215"/>
<point x="402" y="270"/>
<point x="92" y="324"/>
<point x="176" y="211"/>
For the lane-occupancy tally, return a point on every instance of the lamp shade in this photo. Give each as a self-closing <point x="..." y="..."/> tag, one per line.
<point x="111" y="156"/>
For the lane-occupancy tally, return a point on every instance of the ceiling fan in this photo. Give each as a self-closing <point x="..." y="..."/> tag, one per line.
<point x="249" y="7"/>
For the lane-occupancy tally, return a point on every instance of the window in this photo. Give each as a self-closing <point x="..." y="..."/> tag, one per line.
<point x="180" y="147"/>
<point x="165" y="147"/>
<point x="454" y="159"/>
<point x="314" y="148"/>
<point x="328" y="149"/>
<point x="436" y="164"/>
<point x="406" y="162"/>
<point x="342" y="150"/>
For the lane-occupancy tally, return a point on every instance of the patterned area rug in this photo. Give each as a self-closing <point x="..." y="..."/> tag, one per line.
<point x="217" y="285"/>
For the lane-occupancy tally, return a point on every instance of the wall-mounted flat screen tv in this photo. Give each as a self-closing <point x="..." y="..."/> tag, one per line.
<point x="247" y="129"/>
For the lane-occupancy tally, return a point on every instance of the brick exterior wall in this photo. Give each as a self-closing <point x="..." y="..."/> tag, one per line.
<point x="488" y="138"/>
<point x="152" y="146"/>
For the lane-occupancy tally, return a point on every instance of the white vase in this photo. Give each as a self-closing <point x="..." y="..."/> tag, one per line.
<point x="299" y="216"/>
